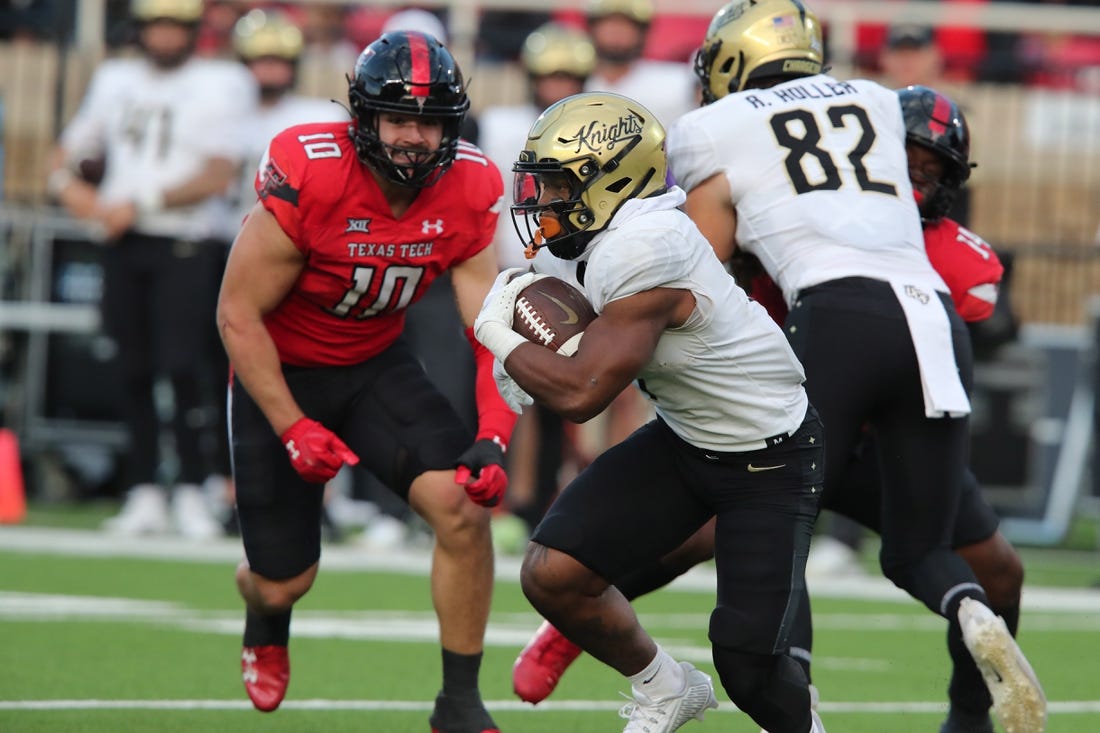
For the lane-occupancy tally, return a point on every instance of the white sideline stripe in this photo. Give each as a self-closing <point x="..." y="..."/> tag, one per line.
<point x="1065" y="707"/>
<point x="505" y="629"/>
<point x="93" y="543"/>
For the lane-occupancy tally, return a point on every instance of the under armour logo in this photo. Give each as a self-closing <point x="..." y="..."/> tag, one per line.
<point x="917" y="294"/>
<point x="248" y="658"/>
<point x="292" y="450"/>
<point x="358" y="225"/>
<point x="432" y="227"/>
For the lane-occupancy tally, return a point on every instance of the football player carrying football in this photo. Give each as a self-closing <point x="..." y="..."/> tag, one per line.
<point x="937" y="151"/>
<point x="353" y="223"/>
<point x="735" y="435"/>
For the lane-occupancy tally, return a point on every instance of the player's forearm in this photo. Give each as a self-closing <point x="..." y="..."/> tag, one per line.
<point x="564" y="384"/>
<point x="495" y="418"/>
<point x="256" y="364"/>
<point x="215" y="177"/>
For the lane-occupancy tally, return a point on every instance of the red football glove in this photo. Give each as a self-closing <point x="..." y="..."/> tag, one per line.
<point x="315" y="451"/>
<point x="481" y="471"/>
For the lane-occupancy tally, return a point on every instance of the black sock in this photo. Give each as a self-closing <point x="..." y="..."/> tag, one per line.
<point x="460" y="672"/>
<point x="262" y="630"/>
<point x="966" y="691"/>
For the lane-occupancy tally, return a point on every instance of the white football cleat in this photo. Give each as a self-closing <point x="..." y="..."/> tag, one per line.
<point x="664" y="716"/>
<point x="144" y="512"/>
<point x="1018" y="700"/>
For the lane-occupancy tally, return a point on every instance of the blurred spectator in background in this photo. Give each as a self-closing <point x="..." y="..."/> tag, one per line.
<point x="326" y="41"/>
<point x="558" y="60"/>
<point x="270" y="44"/>
<point x="910" y="56"/>
<point x="502" y="33"/>
<point x="27" y="20"/>
<point x="160" y="122"/>
<point x="216" y="32"/>
<point x="618" y="29"/>
<point x="1061" y="61"/>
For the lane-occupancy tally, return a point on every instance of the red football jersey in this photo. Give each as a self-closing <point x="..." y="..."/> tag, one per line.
<point x="363" y="265"/>
<point x="967" y="264"/>
<point x="965" y="261"/>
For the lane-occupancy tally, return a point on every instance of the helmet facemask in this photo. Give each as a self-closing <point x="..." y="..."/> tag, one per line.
<point x="561" y="224"/>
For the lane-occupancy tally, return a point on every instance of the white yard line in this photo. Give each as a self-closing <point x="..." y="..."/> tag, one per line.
<point x="227" y="551"/>
<point x="1064" y="707"/>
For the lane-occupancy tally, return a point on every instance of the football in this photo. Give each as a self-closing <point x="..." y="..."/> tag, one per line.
<point x="554" y="314"/>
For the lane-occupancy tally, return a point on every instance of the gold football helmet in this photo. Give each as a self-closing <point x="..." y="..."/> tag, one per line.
<point x="598" y="150"/>
<point x="752" y="39"/>
<point x="554" y="48"/>
<point x="184" y="11"/>
<point x="640" y="11"/>
<point x="261" y="33"/>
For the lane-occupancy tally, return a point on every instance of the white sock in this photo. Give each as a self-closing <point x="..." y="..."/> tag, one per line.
<point x="662" y="678"/>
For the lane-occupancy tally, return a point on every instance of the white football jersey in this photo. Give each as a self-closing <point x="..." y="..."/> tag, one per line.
<point x="666" y="89"/>
<point x="253" y="134"/>
<point x="725" y="380"/>
<point x="819" y="177"/>
<point x="502" y="134"/>
<point x="158" y="128"/>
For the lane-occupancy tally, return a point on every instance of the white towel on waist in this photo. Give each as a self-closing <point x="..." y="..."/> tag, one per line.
<point x="930" y="329"/>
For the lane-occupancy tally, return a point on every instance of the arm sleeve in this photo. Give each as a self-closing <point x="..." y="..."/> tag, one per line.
<point x="495" y="420"/>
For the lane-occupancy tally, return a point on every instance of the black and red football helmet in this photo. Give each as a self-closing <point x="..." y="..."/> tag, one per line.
<point x="936" y="123"/>
<point x="407" y="72"/>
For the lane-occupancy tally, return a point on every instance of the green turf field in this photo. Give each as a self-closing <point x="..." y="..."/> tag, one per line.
<point x="95" y="637"/>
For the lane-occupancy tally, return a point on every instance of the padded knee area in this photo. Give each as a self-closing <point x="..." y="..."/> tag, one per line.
<point x="770" y="689"/>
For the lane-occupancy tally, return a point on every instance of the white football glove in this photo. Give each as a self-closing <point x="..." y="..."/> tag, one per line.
<point x="512" y="393"/>
<point x="493" y="327"/>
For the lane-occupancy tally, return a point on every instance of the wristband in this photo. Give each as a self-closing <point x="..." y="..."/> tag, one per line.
<point x="499" y="339"/>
